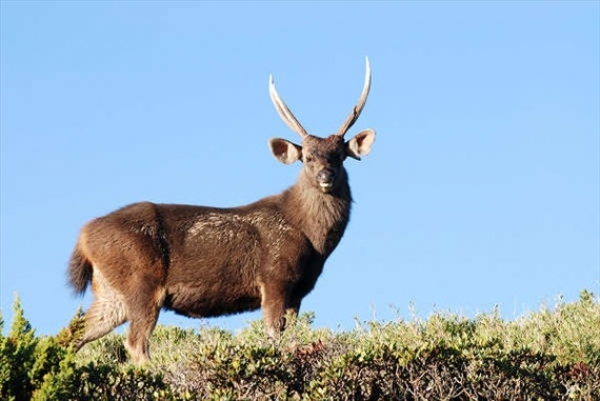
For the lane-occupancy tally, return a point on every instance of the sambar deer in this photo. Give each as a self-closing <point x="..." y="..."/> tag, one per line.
<point x="206" y="261"/>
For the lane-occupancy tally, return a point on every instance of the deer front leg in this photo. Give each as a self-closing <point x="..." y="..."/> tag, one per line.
<point x="273" y="305"/>
<point x="293" y="307"/>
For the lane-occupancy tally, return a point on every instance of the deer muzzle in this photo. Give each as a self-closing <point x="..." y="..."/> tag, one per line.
<point x="326" y="179"/>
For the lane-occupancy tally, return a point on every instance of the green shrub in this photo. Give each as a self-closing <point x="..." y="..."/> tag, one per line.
<point x="22" y="364"/>
<point x="552" y="354"/>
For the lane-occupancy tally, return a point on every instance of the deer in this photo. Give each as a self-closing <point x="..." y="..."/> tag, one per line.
<point x="204" y="262"/>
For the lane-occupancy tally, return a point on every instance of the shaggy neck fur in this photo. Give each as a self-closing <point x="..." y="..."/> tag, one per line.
<point x="321" y="216"/>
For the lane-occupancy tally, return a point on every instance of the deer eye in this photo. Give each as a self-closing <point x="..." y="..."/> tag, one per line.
<point x="335" y="159"/>
<point x="310" y="159"/>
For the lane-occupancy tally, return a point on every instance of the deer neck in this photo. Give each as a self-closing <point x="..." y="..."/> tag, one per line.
<point x="322" y="217"/>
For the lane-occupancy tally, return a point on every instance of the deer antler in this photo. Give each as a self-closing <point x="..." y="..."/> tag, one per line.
<point x="361" y="103"/>
<point x="284" y="112"/>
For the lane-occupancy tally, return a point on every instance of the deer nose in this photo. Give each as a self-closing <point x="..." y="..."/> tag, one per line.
<point x="326" y="177"/>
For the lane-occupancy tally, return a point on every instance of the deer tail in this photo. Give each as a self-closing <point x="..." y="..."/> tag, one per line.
<point x="80" y="270"/>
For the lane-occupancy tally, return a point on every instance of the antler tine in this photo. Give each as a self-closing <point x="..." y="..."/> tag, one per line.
<point x="361" y="102"/>
<point x="284" y="112"/>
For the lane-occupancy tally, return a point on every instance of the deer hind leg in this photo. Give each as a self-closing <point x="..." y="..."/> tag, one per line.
<point x="106" y="312"/>
<point x="138" y="338"/>
<point x="144" y="308"/>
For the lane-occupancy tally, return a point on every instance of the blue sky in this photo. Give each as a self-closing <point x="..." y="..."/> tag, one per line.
<point x="482" y="188"/>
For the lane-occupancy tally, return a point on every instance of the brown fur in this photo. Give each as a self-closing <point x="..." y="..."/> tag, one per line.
<point x="204" y="261"/>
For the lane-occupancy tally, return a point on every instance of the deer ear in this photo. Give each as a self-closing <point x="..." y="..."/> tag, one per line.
<point x="285" y="151"/>
<point x="360" y="144"/>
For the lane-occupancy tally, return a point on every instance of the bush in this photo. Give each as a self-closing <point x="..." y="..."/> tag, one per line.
<point x="550" y="354"/>
<point x="45" y="368"/>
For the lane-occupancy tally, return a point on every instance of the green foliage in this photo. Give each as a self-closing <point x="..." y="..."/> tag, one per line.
<point x="45" y="368"/>
<point x="17" y="373"/>
<point x="550" y="354"/>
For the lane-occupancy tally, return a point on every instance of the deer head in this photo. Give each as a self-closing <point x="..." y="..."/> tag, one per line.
<point x="322" y="158"/>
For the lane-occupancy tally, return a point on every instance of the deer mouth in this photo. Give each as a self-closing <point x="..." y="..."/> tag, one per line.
<point x="325" y="186"/>
<point x="326" y="179"/>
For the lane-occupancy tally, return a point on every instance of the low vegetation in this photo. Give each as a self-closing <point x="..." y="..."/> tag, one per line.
<point x="551" y="354"/>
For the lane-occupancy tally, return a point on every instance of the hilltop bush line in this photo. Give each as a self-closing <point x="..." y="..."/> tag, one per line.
<point x="551" y="354"/>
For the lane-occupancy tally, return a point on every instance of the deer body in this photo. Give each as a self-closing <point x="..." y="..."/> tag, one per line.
<point x="204" y="261"/>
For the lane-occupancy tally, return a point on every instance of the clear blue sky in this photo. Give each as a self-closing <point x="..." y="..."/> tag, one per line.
<point x="482" y="188"/>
